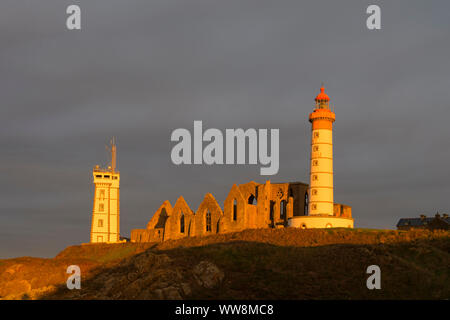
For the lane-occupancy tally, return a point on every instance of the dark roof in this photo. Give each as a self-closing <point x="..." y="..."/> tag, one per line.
<point x="416" y="222"/>
<point x="291" y="182"/>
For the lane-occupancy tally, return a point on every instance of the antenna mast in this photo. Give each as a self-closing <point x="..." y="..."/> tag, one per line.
<point x="113" y="155"/>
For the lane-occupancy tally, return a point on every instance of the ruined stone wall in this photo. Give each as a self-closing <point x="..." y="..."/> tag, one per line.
<point x="285" y="201"/>
<point x="202" y="225"/>
<point x="175" y="227"/>
<point x="159" y="218"/>
<point x="297" y="191"/>
<point x="342" y="210"/>
<point x="147" y="235"/>
<point x="247" y="206"/>
<point x="155" y="227"/>
<point x="249" y="191"/>
<point x="234" y="211"/>
<point x="137" y="235"/>
<point x="263" y="219"/>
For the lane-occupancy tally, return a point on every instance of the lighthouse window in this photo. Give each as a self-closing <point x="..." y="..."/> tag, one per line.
<point x="316" y="134"/>
<point x="100" y="223"/>
<point x="314" y="206"/>
<point x="315" y="178"/>
<point x="102" y="194"/>
<point x="101" y="207"/>
<point x="316" y="148"/>
<point x="315" y="163"/>
<point x="314" y="192"/>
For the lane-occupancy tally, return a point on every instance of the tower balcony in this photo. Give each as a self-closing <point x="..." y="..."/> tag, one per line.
<point x="322" y="114"/>
<point x="105" y="176"/>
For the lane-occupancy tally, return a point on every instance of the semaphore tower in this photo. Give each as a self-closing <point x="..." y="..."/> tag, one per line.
<point x="106" y="208"/>
<point x="321" y="169"/>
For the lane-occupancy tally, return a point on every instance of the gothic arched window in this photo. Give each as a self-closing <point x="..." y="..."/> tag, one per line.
<point x="182" y="223"/>
<point x="272" y="204"/>
<point x="283" y="209"/>
<point x="208" y="221"/>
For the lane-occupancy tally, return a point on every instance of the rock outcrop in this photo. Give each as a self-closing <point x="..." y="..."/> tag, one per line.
<point x="207" y="274"/>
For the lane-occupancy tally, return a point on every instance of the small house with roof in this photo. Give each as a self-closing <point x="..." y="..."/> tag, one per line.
<point x="423" y="222"/>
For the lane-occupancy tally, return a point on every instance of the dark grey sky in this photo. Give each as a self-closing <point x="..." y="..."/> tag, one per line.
<point x="140" y="69"/>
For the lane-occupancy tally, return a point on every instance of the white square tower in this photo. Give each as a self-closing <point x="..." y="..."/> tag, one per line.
<point x="106" y="208"/>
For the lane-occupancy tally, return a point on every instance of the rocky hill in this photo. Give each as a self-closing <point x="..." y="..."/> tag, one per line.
<point x="253" y="264"/>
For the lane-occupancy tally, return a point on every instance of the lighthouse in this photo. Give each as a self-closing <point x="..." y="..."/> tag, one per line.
<point x="321" y="167"/>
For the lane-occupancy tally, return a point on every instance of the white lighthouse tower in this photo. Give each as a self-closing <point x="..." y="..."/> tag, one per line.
<point x="321" y="169"/>
<point x="322" y="211"/>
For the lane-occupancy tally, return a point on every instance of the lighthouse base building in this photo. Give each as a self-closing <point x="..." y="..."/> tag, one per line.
<point x="269" y="205"/>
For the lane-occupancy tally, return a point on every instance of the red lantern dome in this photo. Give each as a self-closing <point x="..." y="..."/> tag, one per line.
<point x="322" y="96"/>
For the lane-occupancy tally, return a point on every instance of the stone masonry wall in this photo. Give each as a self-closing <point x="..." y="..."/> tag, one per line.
<point x="247" y="206"/>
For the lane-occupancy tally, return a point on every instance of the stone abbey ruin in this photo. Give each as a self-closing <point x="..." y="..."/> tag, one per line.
<point x="247" y="206"/>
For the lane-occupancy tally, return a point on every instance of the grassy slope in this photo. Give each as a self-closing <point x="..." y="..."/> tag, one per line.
<point x="258" y="264"/>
